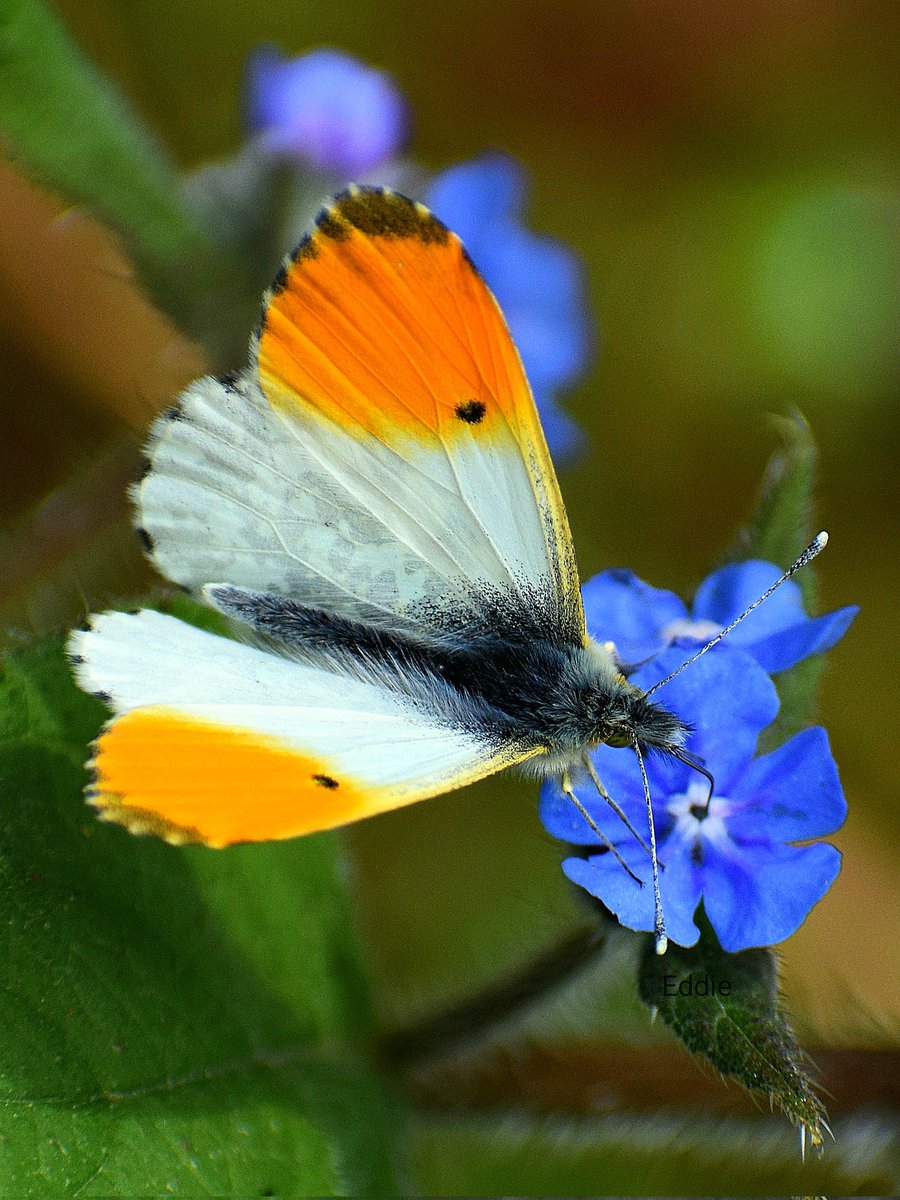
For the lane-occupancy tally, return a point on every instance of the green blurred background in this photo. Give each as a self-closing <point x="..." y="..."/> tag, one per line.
<point x="729" y="174"/>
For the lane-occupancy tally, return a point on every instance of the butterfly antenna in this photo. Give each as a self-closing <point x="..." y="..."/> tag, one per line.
<point x="659" y="923"/>
<point x="818" y="544"/>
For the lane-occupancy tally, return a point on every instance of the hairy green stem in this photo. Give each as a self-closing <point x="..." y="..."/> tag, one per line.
<point x="480" y="1014"/>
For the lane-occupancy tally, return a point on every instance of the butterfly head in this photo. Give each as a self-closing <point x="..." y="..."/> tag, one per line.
<point x="614" y="712"/>
<point x="623" y="716"/>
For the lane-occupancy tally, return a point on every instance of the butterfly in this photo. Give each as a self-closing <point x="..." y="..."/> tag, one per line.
<point x="372" y="504"/>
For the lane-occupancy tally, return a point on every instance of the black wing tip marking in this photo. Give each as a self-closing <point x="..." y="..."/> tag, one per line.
<point x="381" y="212"/>
<point x="377" y="212"/>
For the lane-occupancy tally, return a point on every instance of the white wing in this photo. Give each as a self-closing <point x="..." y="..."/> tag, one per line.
<point x="219" y="742"/>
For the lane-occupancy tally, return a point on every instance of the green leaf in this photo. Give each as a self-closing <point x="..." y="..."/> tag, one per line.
<point x="72" y="131"/>
<point x="259" y="208"/>
<point x="778" y="531"/>
<point x="241" y="198"/>
<point x="781" y="524"/>
<point x="170" y="1019"/>
<point x="725" y="1008"/>
<point x="652" y="1154"/>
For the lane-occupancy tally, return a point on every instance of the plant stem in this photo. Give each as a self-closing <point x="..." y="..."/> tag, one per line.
<point x="479" y="1015"/>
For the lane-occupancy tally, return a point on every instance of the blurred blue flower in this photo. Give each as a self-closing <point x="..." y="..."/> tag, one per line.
<point x="339" y="115"/>
<point x="736" y="854"/>
<point x="327" y="108"/>
<point x="539" y="283"/>
<point x="642" y="621"/>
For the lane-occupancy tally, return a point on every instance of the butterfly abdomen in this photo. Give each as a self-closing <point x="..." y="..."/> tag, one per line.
<point x="485" y="686"/>
<point x="531" y="692"/>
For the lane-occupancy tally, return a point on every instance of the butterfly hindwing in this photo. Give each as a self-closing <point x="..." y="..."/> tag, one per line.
<point x="382" y="457"/>
<point x="219" y="742"/>
<point x="379" y="467"/>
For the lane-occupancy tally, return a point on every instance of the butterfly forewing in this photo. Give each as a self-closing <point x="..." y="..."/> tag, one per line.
<point x="383" y="457"/>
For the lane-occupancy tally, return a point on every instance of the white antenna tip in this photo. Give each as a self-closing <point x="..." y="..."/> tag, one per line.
<point x="662" y="943"/>
<point x="820" y="541"/>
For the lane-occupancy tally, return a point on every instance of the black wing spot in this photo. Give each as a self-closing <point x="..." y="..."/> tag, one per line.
<point x="145" y="539"/>
<point x="173" y="413"/>
<point x="471" y="411"/>
<point x="326" y="781"/>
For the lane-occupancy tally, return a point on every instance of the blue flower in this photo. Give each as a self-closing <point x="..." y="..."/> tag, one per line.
<point x="327" y="108"/>
<point x="737" y="855"/>
<point x="642" y="620"/>
<point x="538" y="282"/>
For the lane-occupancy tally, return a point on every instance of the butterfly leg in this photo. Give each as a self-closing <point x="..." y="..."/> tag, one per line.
<point x="598" y="784"/>
<point x="566" y="785"/>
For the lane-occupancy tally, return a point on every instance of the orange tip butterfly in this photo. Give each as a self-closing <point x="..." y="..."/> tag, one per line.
<point x="372" y="503"/>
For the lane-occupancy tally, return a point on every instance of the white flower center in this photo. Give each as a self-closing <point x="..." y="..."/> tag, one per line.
<point x="694" y="820"/>
<point x="699" y="631"/>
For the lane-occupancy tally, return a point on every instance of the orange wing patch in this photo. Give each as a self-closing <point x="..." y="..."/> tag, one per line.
<point x="161" y="772"/>
<point x="381" y="323"/>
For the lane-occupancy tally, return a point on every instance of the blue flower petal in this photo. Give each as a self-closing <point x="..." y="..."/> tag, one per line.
<point x="759" y="895"/>
<point x="726" y="696"/>
<point x="789" y="795"/>
<point x="473" y="196"/>
<point x="539" y="285"/>
<point x="632" y="903"/>
<point x="620" y="607"/>
<point x="565" y="437"/>
<point x="327" y="108"/>
<point x="778" y="633"/>
<point x="813" y="635"/>
<point x="538" y="282"/>
<point x="561" y="818"/>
